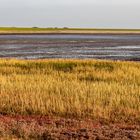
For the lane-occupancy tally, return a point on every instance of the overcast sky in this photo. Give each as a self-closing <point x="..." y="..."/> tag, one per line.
<point x="70" y="13"/>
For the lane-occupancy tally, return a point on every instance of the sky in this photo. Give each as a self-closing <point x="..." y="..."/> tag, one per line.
<point x="70" y="13"/>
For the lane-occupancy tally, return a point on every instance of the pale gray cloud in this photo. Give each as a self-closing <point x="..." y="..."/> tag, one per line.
<point x="65" y="2"/>
<point x="71" y="13"/>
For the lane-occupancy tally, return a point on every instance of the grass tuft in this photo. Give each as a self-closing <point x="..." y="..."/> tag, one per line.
<point x="107" y="66"/>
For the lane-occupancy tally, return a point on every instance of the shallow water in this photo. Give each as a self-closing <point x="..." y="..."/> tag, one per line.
<point x="117" y="47"/>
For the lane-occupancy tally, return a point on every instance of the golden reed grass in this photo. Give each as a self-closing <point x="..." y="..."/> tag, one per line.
<point x="108" y="90"/>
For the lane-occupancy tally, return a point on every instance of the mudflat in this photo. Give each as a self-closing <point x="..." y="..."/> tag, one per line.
<point x="71" y="46"/>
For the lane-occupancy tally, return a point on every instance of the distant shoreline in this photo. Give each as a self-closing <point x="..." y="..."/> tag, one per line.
<point x="66" y="31"/>
<point x="69" y="33"/>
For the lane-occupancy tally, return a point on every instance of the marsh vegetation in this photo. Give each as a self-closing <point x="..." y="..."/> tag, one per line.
<point x="100" y="90"/>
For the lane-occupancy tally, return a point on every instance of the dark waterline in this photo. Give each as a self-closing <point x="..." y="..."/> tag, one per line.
<point x="115" y="47"/>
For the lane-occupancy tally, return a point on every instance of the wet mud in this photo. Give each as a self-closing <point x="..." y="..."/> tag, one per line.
<point x="114" y="47"/>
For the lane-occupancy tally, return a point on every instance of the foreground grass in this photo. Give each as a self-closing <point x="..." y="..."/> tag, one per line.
<point x="14" y="30"/>
<point x="100" y="90"/>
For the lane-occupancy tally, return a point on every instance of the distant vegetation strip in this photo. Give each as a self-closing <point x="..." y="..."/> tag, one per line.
<point x="10" y="30"/>
<point x="100" y="90"/>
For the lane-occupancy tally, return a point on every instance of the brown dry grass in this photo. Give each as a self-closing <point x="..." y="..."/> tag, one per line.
<point x="100" y="90"/>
